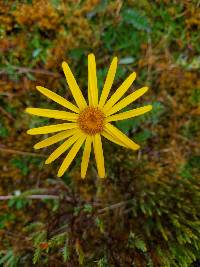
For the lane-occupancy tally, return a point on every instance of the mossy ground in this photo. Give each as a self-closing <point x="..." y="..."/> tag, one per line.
<point x="146" y="212"/>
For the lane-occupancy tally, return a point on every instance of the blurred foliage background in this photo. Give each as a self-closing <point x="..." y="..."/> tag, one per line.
<point x="147" y="211"/>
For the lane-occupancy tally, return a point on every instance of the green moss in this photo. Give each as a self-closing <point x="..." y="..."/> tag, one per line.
<point x="146" y="212"/>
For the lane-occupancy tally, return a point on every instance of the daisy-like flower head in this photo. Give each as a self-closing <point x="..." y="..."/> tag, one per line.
<point x="88" y="122"/>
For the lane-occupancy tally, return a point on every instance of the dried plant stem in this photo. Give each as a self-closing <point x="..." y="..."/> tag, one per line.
<point x="13" y="151"/>
<point x="7" y="114"/>
<point x="29" y="70"/>
<point x="30" y="197"/>
<point x="115" y="206"/>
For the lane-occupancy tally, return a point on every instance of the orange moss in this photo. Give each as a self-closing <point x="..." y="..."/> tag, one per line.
<point x="192" y="17"/>
<point x="67" y="27"/>
<point x="40" y="13"/>
<point x="79" y="32"/>
<point x="6" y="20"/>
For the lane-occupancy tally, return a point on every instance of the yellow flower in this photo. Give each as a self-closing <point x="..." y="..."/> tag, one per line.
<point x="87" y="122"/>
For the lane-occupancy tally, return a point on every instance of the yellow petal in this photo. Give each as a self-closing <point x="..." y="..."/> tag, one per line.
<point x="54" y="139"/>
<point x="89" y="95"/>
<point x="112" y="138"/>
<point x="51" y="113"/>
<point x="98" y="152"/>
<point x="108" y="83"/>
<point x="71" y="155"/>
<point x="121" y="136"/>
<point x="57" y="98"/>
<point x="119" y="92"/>
<point x="62" y="148"/>
<point x="129" y="114"/>
<point x="86" y="156"/>
<point x="92" y="81"/>
<point x="73" y="86"/>
<point x="127" y="100"/>
<point x="52" y="128"/>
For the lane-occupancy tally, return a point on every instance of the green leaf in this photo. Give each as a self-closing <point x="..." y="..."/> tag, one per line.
<point x="3" y="130"/>
<point x="136" y="241"/>
<point x="103" y="262"/>
<point x="126" y="60"/>
<point x="76" y="53"/>
<point x="140" y="244"/>
<point x="156" y="112"/>
<point x="13" y="261"/>
<point x="88" y="208"/>
<point x="39" y="237"/>
<point x="80" y="253"/>
<point x="142" y="136"/>
<point x="58" y="240"/>
<point x="55" y="3"/>
<point x="37" y="255"/>
<point x="185" y="171"/>
<point x="65" y="253"/>
<point x="30" y="76"/>
<point x="18" y="202"/>
<point x="123" y="38"/>
<point x="38" y="121"/>
<point x="6" y="218"/>
<point x="135" y="18"/>
<point x="101" y="78"/>
<point x="195" y="97"/>
<point x="6" y="256"/>
<point x="100" y="224"/>
<point x="36" y="52"/>
<point x="21" y="164"/>
<point x="34" y="226"/>
<point x="125" y="125"/>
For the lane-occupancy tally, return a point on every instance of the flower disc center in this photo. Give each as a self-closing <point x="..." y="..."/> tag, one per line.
<point x="91" y="120"/>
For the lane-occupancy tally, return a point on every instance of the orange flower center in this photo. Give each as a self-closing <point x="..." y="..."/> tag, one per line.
<point x="91" y="120"/>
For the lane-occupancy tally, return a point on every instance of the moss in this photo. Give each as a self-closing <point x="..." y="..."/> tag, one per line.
<point x="146" y="213"/>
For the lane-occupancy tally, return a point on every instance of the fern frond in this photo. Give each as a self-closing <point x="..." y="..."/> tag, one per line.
<point x="58" y="240"/>
<point x="37" y="255"/>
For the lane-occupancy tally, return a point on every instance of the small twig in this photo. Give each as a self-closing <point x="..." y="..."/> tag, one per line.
<point x="179" y="15"/>
<point x="7" y="114"/>
<point x="114" y="206"/>
<point x="13" y="151"/>
<point x="30" y="197"/>
<point x="7" y="94"/>
<point x="37" y="71"/>
<point x="139" y="155"/>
